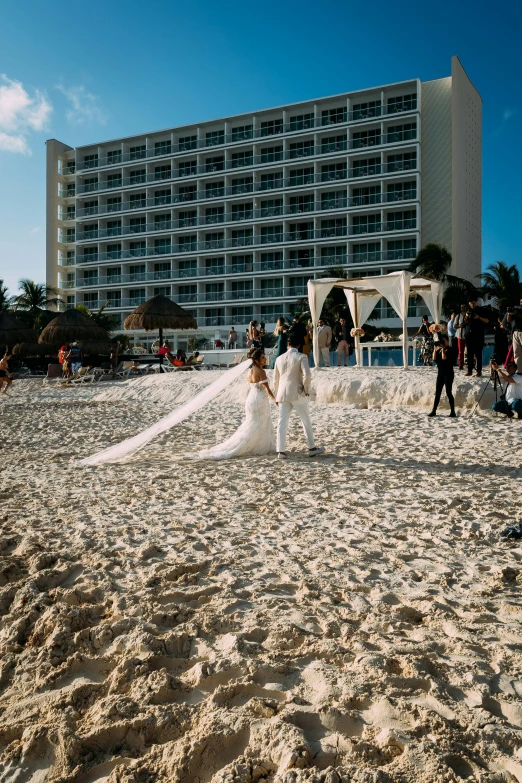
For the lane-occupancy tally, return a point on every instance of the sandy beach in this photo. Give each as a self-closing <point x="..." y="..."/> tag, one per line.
<point x="351" y="618"/>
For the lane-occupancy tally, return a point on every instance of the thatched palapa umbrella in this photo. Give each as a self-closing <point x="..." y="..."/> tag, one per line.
<point x="35" y="349"/>
<point x="13" y="331"/>
<point x="70" y="326"/>
<point x="160" y="313"/>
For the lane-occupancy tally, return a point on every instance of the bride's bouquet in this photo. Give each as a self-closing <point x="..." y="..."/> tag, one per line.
<point x="357" y="332"/>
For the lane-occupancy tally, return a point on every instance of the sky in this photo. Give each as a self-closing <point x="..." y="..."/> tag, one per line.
<point x="106" y="69"/>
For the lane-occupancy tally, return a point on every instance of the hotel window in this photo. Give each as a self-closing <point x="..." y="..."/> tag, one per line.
<point x="137" y="272"/>
<point x="162" y="148"/>
<point x="271" y="127"/>
<point x="241" y="264"/>
<point x="242" y="185"/>
<point x="271" y="181"/>
<point x="242" y="132"/>
<point x="113" y="298"/>
<point x="90" y="161"/>
<point x="215" y="137"/>
<point x="334" y="227"/>
<point x="188" y="293"/>
<point x="113" y="228"/>
<point x="136" y="153"/>
<point x="137" y="249"/>
<point x="188" y="268"/>
<point x="401" y="132"/>
<point x="334" y="199"/>
<point x="271" y="234"/>
<point x="242" y="289"/>
<point x="188" y="218"/>
<point x="273" y="287"/>
<point x="298" y="286"/>
<point x="71" y="189"/>
<point x="333" y="116"/>
<point x="366" y="224"/>
<point x="301" y="177"/>
<point x="367" y="138"/>
<point x="162" y="222"/>
<point x="161" y="270"/>
<point x="90" y="300"/>
<point x="242" y="159"/>
<point x="241" y="315"/>
<point x="90" y="183"/>
<point x="332" y="256"/>
<point x="215" y="164"/>
<point x="162" y="172"/>
<point x="396" y="221"/>
<point x="187" y="243"/>
<point x="215" y="266"/>
<point x="214" y="240"/>
<point x="301" y="231"/>
<point x="114" y="250"/>
<point x="114" y="156"/>
<point x="90" y="277"/>
<point x="401" y="191"/>
<point x="334" y="144"/>
<point x="302" y="203"/>
<point x="162" y="246"/>
<point x="242" y="211"/>
<point x="90" y="230"/>
<point x="399" y="249"/>
<point x="333" y="171"/>
<point x="137" y="200"/>
<point x="271" y="154"/>
<point x="71" y="211"/>
<point x="271" y="261"/>
<point x="214" y="189"/>
<point x="70" y="256"/>
<point x="90" y="253"/>
<point x="114" y="180"/>
<point x="70" y="301"/>
<point x="301" y="149"/>
<point x="70" y="235"/>
<point x="137" y="176"/>
<point x="137" y="296"/>
<point x="271" y="207"/>
<point x="214" y="215"/>
<point x="301" y="258"/>
<point x="270" y="313"/>
<point x="187" y="193"/>
<point x="114" y="275"/>
<point x="187" y="168"/>
<point x="188" y="143"/>
<point x="366" y="253"/>
<point x="302" y="121"/>
<point x="362" y="111"/>
<point x="162" y="197"/>
<point x="366" y="167"/>
<point x="137" y="225"/>
<point x="363" y="196"/>
<point x="114" y="204"/>
<point x="402" y="103"/>
<point x="163" y="290"/>
<point x="242" y="237"/>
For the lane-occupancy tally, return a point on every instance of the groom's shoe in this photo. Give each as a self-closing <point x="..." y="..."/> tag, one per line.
<point x="282" y="455"/>
<point x="315" y="452"/>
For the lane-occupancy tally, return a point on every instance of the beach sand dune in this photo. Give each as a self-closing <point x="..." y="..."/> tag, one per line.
<point x="350" y="618"/>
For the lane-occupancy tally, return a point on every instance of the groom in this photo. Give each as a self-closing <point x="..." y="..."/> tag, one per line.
<point x="292" y="381"/>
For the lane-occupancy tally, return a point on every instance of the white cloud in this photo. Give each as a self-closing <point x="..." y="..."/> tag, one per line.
<point x="84" y="106"/>
<point x="20" y="113"/>
<point x="507" y="114"/>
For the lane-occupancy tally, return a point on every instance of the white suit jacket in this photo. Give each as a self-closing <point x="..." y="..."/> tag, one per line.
<point x="292" y="376"/>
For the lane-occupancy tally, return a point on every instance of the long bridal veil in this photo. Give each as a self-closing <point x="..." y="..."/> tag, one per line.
<point x="127" y="448"/>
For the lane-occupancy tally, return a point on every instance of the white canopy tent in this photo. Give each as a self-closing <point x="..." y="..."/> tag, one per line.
<point x="363" y="293"/>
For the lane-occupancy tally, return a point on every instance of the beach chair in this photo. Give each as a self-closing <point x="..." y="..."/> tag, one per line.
<point x="124" y="372"/>
<point x="54" y="374"/>
<point x="240" y="357"/>
<point x="198" y="363"/>
<point x="90" y="375"/>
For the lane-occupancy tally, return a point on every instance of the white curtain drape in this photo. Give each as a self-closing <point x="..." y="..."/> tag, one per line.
<point x="318" y="290"/>
<point x="361" y="306"/>
<point x="433" y="299"/>
<point x="396" y="288"/>
<point x="127" y="448"/>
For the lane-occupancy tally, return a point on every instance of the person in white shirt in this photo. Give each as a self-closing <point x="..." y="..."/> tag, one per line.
<point x="324" y="336"/>
<point x="512" y="402"/>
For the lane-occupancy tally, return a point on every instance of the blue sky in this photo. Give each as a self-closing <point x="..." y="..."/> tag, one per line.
<point x="85" y="73"/>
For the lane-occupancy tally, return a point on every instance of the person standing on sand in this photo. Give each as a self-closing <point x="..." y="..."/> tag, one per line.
<point x="444" y="358"/>
<point x="5" y="376"/>
<point x="324" y="338"/>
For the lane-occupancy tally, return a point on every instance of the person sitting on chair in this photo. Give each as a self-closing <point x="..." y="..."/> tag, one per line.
<point x="193" y="359"/>
<point x="512" y="399"/>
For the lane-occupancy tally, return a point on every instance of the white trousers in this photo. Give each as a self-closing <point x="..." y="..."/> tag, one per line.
<point x="285" y="409"/>
<point x="325" y="353"/>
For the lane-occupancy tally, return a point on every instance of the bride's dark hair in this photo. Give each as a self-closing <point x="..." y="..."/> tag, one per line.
<point x="255" y="354"/>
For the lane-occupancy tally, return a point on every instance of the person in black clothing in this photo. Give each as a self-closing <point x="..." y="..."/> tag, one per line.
<point x="501" y="340"/>
<point x="475" y="322"/>
<point x="298" y="329"/>
<point x="444" y="358"/>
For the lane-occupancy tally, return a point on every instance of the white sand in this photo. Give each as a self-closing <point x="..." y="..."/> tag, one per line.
<point x="350" y="618"/>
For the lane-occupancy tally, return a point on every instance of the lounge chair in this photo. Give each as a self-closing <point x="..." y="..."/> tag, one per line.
<point x="92" y="375"/>
<point x="54" y="374"/>
<point x="238" y="358"/>
<point x="124" y="372"/>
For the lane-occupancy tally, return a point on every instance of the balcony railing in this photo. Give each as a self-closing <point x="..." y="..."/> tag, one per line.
<point x="297" y="126"/>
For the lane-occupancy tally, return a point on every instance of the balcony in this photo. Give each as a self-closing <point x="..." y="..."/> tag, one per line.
<point x="300" y="126"/>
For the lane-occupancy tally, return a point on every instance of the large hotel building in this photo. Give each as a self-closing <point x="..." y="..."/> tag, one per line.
<point x="231" y="218"/>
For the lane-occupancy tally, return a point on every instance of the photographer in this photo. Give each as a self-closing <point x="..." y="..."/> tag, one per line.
<point x="514" y="319"/>
<point x="458" y="326"/>
<point x="475" y="322"/>
<point x="512" y="399"/>
<point x="444" y="358"/>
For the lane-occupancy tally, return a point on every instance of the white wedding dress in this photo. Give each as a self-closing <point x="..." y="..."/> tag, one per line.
<point x="256" y="436"/>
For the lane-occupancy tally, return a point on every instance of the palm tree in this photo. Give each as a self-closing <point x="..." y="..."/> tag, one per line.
<point x="503" y="283"/>
<point x="433" y="261"/>
<point x="35" y="298"/>
<point x="5" y="299"/>
<point x="106" y="320"/>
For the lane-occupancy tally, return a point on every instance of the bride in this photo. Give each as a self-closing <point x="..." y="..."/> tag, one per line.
<point x="256" y="435"/>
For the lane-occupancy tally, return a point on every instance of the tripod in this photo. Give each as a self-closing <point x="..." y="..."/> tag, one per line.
<point x="495" y="378"/>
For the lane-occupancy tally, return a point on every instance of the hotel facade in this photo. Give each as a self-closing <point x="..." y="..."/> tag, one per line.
<point x="230" y="218"/>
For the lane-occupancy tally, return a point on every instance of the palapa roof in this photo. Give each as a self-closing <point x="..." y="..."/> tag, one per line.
<point x="35" y="349"/>
<point x="12" y="330"/>
<point x="72" y="325"/>
<point x="160" y="313"/>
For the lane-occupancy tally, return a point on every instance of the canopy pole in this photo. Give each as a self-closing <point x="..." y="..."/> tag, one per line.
<point x="358" y="351"/>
